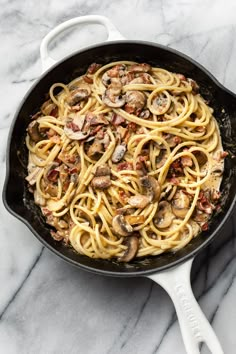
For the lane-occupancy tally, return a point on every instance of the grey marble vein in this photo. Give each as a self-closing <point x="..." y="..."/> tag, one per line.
<point x="47" y="306"/>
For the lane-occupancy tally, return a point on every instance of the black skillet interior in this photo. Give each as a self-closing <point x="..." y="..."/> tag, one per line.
<point x="19" y="201"/>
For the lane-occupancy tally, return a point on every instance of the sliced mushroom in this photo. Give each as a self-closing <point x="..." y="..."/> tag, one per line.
<point x="93" y="68"/>
<point x="150" y="187"/>
<point x="161" y="158"/>
<point x="135" y="219"/>
<point x="200" y="217"/>
<point x="112" y="96"/>
<point x="118" y="153"/>
<point x="101" y="182"/>
<point x="79" y="94"/>
<point x="145" y="114"/>
<point x="103" y="170"/>
<point x="75" y="135"/>
<point x="217" y="170"/>
<point x="195" y="227"/>
<point x="139" y="201"/>
<point x="98" y="119"/>
<point x="95" y="149"/>
<point x="34" y="132"/>
<point x="142" y="79"/>
<point x="164" y="216"/>
<point x="120" y="226"/>
<point x="180" y="204"/>
<point x="200" y="156"/>
<point x="140" y="68"/>
<point x="133" y="244"/>
<point x="161" y="103"/>
<point x="135" y="100"/>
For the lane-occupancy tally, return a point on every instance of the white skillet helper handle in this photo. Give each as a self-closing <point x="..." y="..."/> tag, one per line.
<point x="113" y="34"/>
<point x="194" y="326"/>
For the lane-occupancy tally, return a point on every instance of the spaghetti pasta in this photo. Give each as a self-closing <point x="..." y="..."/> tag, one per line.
<point x="123" y="161"/>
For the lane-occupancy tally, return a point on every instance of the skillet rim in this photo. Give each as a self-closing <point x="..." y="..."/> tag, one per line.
<point x="76" y="263"/>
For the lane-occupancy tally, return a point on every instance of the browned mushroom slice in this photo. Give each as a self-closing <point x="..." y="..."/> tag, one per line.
<point x="200" y="156"/>
<point x="161" y="103"/>
<point x="142" y="79"/>
<point x="75" y="135"/>
<point x="135" y="100"/>
<point x="200" y="217"/>
<point x="195" y="227"/>
<point x="217" y="170"/>
<point x="102" y="170"/>
<point x="120" y="226"/>
<point x="101" y="182"/>
<point x="139" y="201"/>
<point x="161" y="158"/>
<point x="135" y="219"/>
<point x="118" y="153"/>
<point x="150" y="187"/>
<point x="145" y="114"/>
<point x="34" y="132"/>
<point x="164" y="215"/>
<point x="140" y="68"/>
<point x="95" y="149"/>
<point x="180" y="204"/>
<point x="133" y="245"/>
<point x="112" y="96"/>
<point x="79" y="94"/>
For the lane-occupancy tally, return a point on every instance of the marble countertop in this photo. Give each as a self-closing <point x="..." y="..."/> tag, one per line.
<point x="48" y="306"/>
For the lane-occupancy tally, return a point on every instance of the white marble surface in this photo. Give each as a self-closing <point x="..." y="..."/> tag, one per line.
<point x="46" y="305"/>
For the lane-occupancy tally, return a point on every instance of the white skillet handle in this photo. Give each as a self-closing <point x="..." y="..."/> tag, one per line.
<point x="193" y="324"/>
<point x="113" y="34"/>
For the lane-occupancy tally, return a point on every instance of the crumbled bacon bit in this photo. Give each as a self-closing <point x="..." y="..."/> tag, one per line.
<point x="53" y="175"/>
<point x="181" y="77"/>
<point x="124" y="166"/>
<point x="132" y="126"/>
<point x="205" y="226"/>
<point x="73" y="126"/>
<point x="117" y="119"/>
<point x="56" y="235"/>
<point x="93" y="68"/>
<point x="223" y="154"/>
<point x="177" y="140"/>
<point x="88" y="79"/>
<point x="46" y="211"/>
<point x="54" y="112"/>
<point x="55" y="139"/>
<point x="215" y="195"/>
<point x="174" y="181"/>
<point x="186" y="161"/>
<point x="123" y="196"/>
<point x="143" y="158"/>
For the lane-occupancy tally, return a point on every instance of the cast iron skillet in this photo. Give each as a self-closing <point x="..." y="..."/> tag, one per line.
<point x="175" y="267"/>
